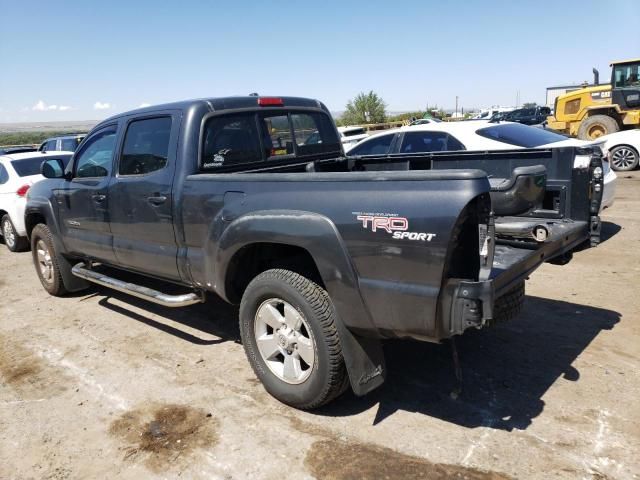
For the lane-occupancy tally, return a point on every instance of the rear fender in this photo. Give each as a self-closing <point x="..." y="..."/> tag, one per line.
<point x="316" y="234"/>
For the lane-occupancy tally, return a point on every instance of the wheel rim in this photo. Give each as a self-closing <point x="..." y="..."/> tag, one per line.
<point x="45" y="263"/>
<point x="285" y="341"/>
<point x="623" y="158"/>
<point x="597" y="131"/>
<point x="9" y="235"/>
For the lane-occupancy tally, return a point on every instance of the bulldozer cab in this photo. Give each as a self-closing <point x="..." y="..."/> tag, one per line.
<point x="625" y="84"/>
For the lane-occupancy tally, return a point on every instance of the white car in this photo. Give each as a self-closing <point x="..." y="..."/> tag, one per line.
<point x="622" y="149"/>
<point x="477" y="135"/>
<point x="17" y="173"/>
<point x="349" y="136"/>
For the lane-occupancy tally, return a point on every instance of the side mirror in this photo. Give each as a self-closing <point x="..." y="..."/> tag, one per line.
<point x="52" y="168"/>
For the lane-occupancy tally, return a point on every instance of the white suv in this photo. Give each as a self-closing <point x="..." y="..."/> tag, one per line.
<point x="17" y="173"/>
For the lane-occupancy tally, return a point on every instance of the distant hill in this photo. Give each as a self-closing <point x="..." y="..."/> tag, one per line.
<point x="68" y="126"/>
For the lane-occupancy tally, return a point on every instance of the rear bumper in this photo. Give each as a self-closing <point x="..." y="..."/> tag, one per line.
<point x="471" y="304"/>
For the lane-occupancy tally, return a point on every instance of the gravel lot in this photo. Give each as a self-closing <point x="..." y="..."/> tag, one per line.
<point x="101" y="385"/>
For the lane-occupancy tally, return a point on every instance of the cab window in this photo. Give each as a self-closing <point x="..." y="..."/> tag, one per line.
<point x="96" y="157"/>
<point x="146" y="146"/>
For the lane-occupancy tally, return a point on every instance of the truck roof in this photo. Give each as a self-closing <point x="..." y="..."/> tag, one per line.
<point x="222" y="103"/>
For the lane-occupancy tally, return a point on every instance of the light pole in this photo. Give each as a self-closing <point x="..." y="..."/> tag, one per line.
<point x="456" y="106"/>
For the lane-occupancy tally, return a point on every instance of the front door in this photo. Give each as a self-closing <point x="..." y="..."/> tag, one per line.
<point x="83" y="201"/>
<point x="141" y="207"/>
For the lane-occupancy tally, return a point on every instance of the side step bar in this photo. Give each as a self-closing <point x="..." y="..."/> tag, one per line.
<point x="80" y="270"/>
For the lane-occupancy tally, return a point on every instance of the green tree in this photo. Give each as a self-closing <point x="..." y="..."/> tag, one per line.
<point x="529" y="105"/>
<point x="365" y="108"/>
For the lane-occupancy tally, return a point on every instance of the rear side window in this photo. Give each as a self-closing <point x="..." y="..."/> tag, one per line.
<point x="230" y="140"/>
<point x="4" y="175"/>
<point x="520" y="135"/>
<point x="374" y="146"/>
<point x="70" y="144"/>
<point x="146" y="146"/>
<point x="28" y="166"/>
<point x="314" y="134"/>
<point x="416" y="142"/>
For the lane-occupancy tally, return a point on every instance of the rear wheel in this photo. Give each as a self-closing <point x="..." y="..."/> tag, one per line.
<point x="46" y="261"/>
<point x="288" y="330"/>
<point x="596" y="126"/>
<point x="624" y="158"/>
<point x="12" y="240"/>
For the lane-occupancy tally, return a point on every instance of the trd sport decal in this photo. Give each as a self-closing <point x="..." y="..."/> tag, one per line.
<point x="391" y="223"/>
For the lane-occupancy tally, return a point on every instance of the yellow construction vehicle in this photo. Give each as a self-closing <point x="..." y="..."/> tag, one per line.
<point x="591" y="112"/>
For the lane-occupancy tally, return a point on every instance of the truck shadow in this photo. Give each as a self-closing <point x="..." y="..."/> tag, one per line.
<point x="506" y="369"/>
<point x="608" y="230"/>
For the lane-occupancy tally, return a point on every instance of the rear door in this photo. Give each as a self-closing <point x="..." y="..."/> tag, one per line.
<point x="141" y="207"/>
<point x="83" y="201"/>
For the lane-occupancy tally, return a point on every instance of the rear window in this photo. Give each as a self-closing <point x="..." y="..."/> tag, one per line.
<point x="31" y="166"/>
<point x="520" y="135"/>
<point x="354" y="131"/>
<point x="416" y="142"/>
<point x="248" y="138"/>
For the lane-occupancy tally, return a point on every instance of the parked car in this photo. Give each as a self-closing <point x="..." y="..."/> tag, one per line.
<point x="326" y="255"/>
<point x="18" y="172"/>
<point x="64" y="143"/>
<point x="352" y="135"/>
<point x="477" y="135"/>
<point x="487" y="114"/>
<point x="17" y="149"/>
<point x="528" y="116"/>
<point x="622" y="149"/>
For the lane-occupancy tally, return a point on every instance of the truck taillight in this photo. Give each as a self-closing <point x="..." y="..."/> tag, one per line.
<point x="22" y="191"/>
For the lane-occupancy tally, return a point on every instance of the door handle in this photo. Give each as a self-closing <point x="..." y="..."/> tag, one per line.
<point x="98" y="198"/>
<point x="159" y="200"/>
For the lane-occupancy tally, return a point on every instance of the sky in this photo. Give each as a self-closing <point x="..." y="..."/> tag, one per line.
<point x="81" y="60"/>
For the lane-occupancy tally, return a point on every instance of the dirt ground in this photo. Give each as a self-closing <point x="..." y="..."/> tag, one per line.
<point x="100" y="385"/>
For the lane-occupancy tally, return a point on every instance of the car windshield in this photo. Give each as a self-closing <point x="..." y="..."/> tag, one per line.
<point x="520" y="135"/>
<point x="31" y="166"/>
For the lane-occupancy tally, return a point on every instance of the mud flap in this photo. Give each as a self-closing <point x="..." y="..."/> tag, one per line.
<point x="364" y="359"/>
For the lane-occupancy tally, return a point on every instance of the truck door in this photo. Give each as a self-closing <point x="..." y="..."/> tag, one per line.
<point x="83" y="201"/>
<point x="141" y="207"/>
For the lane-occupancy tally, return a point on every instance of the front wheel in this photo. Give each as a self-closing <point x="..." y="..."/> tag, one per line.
<point x="12" y="240"/>
<point x="596" y="126"/>
<point x="623" y="158"/>
<point x="46" y="261"/>
<point x="287" y="324"/>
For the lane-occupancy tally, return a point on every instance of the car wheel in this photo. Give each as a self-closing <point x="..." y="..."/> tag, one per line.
<point x="624" y="158"/>
<point x="287" y="325"/>
<point x="12" y="240"/>
<point x="46" y="261"/>
<point x="596" y="126"/>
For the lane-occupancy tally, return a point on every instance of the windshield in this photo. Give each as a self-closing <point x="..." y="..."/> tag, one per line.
<point x="520" y="135"/>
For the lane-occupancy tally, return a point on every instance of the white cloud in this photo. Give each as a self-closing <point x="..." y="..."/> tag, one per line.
<point x="101" y="106"/>
<point x="143" y="105"/>
<point x="41" y="106"/>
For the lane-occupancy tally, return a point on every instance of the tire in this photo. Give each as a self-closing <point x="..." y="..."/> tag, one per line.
<point x="596" y="126"/>
<point x="45" y="260"/>
<point x="12" y="240"/>
<point x="290" y="315"/>
<point x="509" y="305"/>
<point x="624" y="158"/>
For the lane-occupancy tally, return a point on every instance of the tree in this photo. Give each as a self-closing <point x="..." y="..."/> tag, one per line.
<point x="529" y="105"/>
<point x="365" y="108"/>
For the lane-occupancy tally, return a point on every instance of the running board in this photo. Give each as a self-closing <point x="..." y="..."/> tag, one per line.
<point x="139" y="291"/>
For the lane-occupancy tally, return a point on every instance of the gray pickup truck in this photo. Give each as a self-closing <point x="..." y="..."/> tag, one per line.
<point x="252" y="198"/>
